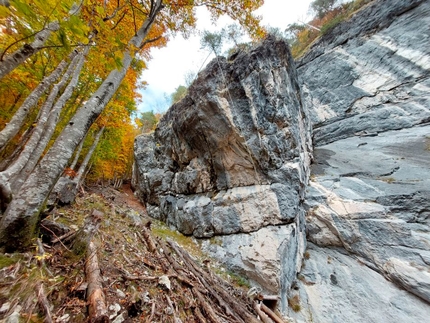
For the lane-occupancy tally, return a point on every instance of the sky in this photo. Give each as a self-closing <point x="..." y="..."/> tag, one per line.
<point x="169" y="65"/>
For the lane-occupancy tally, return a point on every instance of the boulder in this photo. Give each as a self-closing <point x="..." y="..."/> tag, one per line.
<point x="232" y="159"/>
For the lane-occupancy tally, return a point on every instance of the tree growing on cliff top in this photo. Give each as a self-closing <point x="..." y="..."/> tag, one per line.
<point x="322" y="7"/>
<point x="148" y="121"/>
<point x="147" y="22"/>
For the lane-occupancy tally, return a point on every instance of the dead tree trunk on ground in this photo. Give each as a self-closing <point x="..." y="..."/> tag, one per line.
<point x="86" y="234"/>
<point x="95" y="296"/>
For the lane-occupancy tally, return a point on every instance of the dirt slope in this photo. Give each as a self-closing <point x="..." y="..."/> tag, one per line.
<point x="145" y="276"/>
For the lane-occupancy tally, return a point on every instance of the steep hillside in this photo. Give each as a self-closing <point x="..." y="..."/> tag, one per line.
<point x="133" y="271"/>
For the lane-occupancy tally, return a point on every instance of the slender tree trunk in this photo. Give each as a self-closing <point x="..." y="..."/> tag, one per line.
<point x="8" y="160"/>
<point x="66" y="189"/>
<point x="77" y="154"/>
<point x="46" y="109"/>
<point x="10" y="62"/>
<point x="17" y="120"/>
<point x="20" y="221"/>
<point x="87" y="158"/>
<point x="18" y="178"/>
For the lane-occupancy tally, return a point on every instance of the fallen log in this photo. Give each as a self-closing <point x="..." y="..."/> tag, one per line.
<point x="224" y="299"/>
<point x="263" y="317"/>
<point x="206" y="307"/>
<point x="149" y="320"/>
<point x="271" y="314"/>
<point x="95" y="296"/>
<point x="147" y="239"/>
<point x="174" y="310"/>
<point x="85" y="235"/>
<point x="199" y="315"/>
<point x="170" y="259"/>
<point x="44" y="304"/>
<point x="131" y="277"/>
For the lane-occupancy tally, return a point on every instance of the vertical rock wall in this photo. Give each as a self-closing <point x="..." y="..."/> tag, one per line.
<point x="370" y="74"/>
<point x="367" y="86"/>
<point x="232" y="160"/>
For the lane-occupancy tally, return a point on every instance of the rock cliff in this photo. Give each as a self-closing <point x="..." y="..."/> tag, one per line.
<point x="233" y="158"/>
<point x="366" y="86"/>
<point x="370" y="73"/>
<point x="230" y="162"/>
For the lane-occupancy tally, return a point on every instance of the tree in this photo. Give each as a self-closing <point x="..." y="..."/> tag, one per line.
<point x="322" y="7"/>
<point x="179" y="94"/>
<point x="213" y="41"/>
<point x="234" y="33"/>
<point x="31" y="26"/>
<point x="151" y="20"/>
<point x="14" y="125"/>
<point x="189" y="77"/>
<point x="149" y="121"/>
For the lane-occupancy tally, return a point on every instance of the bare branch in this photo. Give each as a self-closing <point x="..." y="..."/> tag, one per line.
<point x="150" y="41"/>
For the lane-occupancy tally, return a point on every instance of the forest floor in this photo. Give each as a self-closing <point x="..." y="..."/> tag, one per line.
<point x="142" y="274"/>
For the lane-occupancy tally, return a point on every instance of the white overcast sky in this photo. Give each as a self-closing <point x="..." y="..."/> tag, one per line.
<point x="168" y="66"/>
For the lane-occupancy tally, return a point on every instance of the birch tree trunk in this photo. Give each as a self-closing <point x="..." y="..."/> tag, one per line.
<point x="18" y="118"/>
<point x="87" y="158"/>
<point x="45" y="111"/>
<point x="10" y="62"/>
<point x="18" y="178"/>
<point x="77" y="154"/>
<point x="65" y="189"/>
<point x="19" y="223"/>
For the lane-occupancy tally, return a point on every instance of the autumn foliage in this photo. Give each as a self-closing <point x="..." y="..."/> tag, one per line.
<point x="105" y="26"/>
<point x="20" y="21"/>
<point x="324" y="22"/>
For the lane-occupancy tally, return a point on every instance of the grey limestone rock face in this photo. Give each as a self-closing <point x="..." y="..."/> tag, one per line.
<point x="335" y="287"/>
<point x="270" y="257"/>
<point x="231" y="160"/>
<point x="370" y="74"/>
<point x="236" y="147"/>
<point x="371" y="196"/>
<point x="366" y="85"/>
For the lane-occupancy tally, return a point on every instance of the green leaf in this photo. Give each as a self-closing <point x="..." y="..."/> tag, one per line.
<point x="23" y="8"/>
<point x="4" y="12"/>
<point x="118" y="62"/>
<point x="100" y="10"/>
<point x="62" y="37"/>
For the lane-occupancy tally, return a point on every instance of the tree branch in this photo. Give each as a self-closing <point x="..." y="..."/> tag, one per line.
<point x="150" y="41"/>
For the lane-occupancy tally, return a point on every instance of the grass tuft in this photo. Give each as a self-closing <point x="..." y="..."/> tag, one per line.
<point x="294" y="303"/>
